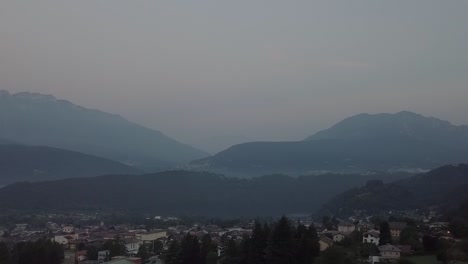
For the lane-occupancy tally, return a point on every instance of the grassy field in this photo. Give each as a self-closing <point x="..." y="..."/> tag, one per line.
<point x="424" y="259"/>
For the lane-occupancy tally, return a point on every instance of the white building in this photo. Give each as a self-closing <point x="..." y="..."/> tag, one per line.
<point x="374" y="259"/>
<point x="346" y="228"/>
<point x="132" y="245"/>
<point x="372" y="237"/>
<point x="150" y="237"/>
<point x="389" y="252"/>
<point x="65" y="239"/>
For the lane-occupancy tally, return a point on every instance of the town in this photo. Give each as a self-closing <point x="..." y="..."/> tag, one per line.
<point x="393" y="237"/>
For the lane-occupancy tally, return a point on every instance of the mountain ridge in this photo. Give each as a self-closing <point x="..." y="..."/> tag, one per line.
<point x="404" y="124"/>
<point x="445" y="187"/>
<point x="37" y="119"/>
<point x="39" y="163"/>
<point x="382" y="142"/>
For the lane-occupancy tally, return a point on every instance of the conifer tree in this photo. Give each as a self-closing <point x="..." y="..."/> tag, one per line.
<point x="190" y="250"/>
<point x="206" y="247"/>
<point x="5" y="255"/>
<point x="306" y="245"/>
<point x="385" y="234"/>
<point x="280" y="248"/>
<point x="258" y="244"/>
<point x="171" y="256"/>
<point x="230" y="253"/>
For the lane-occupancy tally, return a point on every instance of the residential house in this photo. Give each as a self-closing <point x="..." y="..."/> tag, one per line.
<point x="132" y="245"/>
<point x="396" y="228"/>
<point x="372" y="237"/>
<point x="65" y="239"/>
<point x="150" y="237"/>
<point x="439" y="226"/>
<point x="338" y="237"/>
<point x="68" y="229"/>
<point x="389" y="252"/>
<point x="81" y="255"/>
<point x="346" y="228"/>
<point x="325" y="242"/>
<point x="103" y="256"/>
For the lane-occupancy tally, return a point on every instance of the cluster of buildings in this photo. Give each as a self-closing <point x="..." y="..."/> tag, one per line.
<point x="371" y="235"/>
<point x="75" y="239"/>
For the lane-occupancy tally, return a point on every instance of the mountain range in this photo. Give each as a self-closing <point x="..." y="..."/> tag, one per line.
<point x="364" y="143"/>
<point x="36" y="163"/>
<point x="361" y="143"/>
<point x="445" y="187"/>
<point x="37" y="119"/>
<point x="184" y="193"/>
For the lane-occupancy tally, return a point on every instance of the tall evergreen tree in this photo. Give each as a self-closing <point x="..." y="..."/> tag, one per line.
<point x="190" y="250"/>
<point x="230" y="254"/>
<point x="410" y="236"/>
<point x="38" y="252"/>
<point x="259" y="242"/>
<point x="206" y="247"/>
<point x="92" y="252"/>
<point x="245" y="251"/>
<point x="143" y="252"/>
<point x="385" y="234"/>
<point x="281" y="244"/>
<point x="5" y="255"/>
<point x="307" y="247"/>
<point x="334" y="255"/>
<point x="172" y="255"/>
<point x="212" y="258"/>
<point x="115" y="246"/>
<point x="157" y="247"/>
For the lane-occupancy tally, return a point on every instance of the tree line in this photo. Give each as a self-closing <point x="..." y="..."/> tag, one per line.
<point x="42" y="251"/>
<point x="278" y="243"/>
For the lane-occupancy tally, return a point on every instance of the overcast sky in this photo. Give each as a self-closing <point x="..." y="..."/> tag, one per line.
<point x="228" y="71"/>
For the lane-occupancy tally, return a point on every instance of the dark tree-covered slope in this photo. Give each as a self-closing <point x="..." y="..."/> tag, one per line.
<point x="32" y="163"/>
<point x="183" y="192"/>
<point x="445" y="186"/>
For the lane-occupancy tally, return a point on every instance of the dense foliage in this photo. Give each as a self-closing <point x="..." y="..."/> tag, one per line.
<point x="182" y="192"/>
<point x="279" y="243"/>
<point x="34" y="163"/>
<point x="445" y="186"/>
<point x="38" y="252"/>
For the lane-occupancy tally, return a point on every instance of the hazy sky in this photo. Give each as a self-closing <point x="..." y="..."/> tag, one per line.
<point x="240" y="70"/>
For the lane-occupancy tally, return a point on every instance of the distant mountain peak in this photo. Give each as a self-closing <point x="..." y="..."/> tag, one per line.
<point x="28" y="96"/>
<point x="385" y="125"/>
<point x="403" y="141"/>
<point x="39" y="119"/>
<point x="35" y="96"/>
<point x="408" y="113"/>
